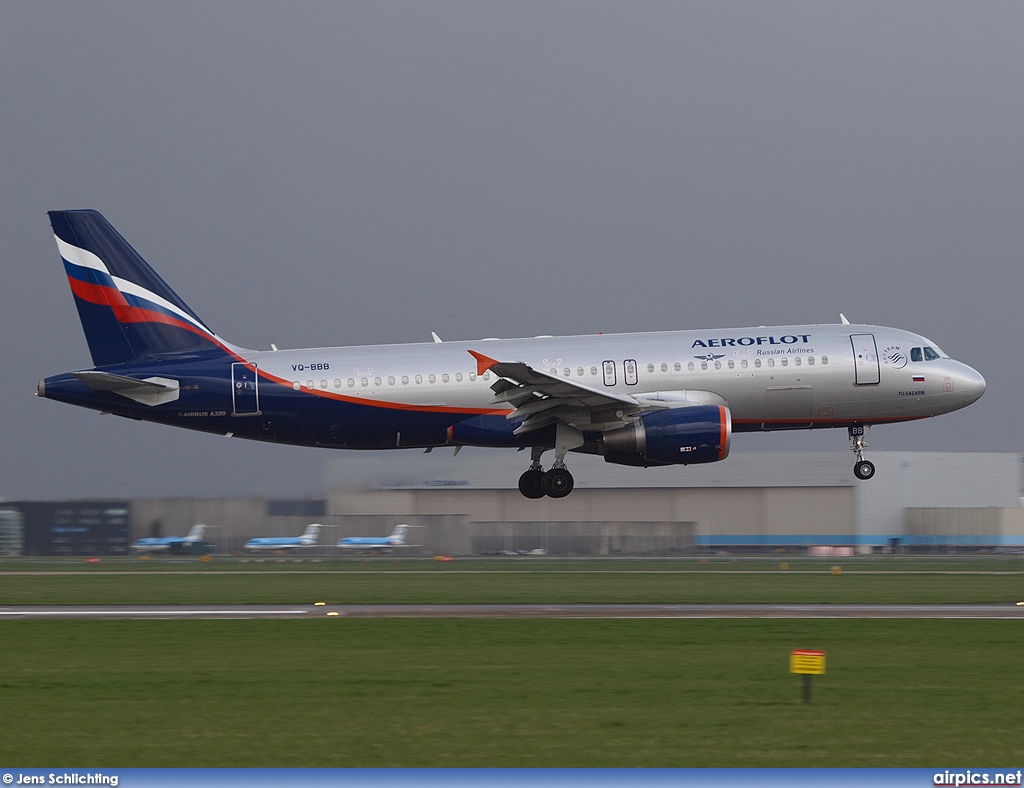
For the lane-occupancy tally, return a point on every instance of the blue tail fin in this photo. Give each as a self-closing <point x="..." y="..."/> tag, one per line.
<point x="126" y="309"/>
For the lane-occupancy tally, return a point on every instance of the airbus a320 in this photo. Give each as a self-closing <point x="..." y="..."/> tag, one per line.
<point x="640" y="399"/>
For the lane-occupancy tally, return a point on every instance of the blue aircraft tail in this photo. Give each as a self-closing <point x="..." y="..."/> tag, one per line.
<point x="126" y="309"/>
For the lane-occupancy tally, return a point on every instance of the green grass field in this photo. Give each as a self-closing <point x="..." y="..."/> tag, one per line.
<point x="428" y="582"/>
<point x="336" y="692"/>
<point x="349" y="692"/>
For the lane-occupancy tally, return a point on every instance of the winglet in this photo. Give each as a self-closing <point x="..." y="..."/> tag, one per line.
<point x="483" y="363"/>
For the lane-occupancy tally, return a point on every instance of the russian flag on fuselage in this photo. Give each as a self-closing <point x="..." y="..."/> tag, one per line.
<point x="126" y="309"/>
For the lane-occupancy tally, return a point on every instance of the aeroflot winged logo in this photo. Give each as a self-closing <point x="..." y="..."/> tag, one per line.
<point x="786" y="339"/>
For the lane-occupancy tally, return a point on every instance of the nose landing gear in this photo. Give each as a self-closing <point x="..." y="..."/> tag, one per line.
<point x="862" y="469"/>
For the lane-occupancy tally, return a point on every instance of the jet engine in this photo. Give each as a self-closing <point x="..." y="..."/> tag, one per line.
<point x="674" y="436"/>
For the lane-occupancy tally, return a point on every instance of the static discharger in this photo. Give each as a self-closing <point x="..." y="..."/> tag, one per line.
<point x="807" y="663"/>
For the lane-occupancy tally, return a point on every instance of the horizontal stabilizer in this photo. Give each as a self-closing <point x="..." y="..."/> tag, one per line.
<point x="150" y="391"/>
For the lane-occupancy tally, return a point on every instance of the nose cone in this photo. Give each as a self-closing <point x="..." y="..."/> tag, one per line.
<point x="974" y="385"/>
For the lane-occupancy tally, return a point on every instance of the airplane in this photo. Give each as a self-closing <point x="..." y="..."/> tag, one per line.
<point x="170" y="544"/>
<point x="309" y="538"/>
<point x="376" y="543"/>
<point x="636" y="399"/>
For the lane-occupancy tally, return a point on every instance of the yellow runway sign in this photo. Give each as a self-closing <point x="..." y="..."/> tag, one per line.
<point x="807" y="662"/>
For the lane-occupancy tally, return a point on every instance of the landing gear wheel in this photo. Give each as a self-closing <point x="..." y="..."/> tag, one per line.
<point x="530" y="484"/>
<point x="864" y="469"/>
<point x="557" y="483"/>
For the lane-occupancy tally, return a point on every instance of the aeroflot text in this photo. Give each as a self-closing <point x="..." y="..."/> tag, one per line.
<point x="788" y="339"/>
<point x="976" y="778"/>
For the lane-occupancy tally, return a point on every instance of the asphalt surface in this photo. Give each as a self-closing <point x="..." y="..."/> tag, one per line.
<point x="1007" y="610"/>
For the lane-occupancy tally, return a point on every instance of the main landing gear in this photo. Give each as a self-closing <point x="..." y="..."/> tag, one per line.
<point x="555" y="483"/>
<point x="862" y="469"/>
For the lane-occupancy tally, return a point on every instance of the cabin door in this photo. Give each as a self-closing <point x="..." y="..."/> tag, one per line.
<point x="865" y="359"/>
<point x="245" y="391"/>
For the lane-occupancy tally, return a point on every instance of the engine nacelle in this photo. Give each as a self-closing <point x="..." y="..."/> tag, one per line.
<point x="674" y="436"/>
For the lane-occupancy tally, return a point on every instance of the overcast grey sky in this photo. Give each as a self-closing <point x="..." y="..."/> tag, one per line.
<point x="346" y="173"/>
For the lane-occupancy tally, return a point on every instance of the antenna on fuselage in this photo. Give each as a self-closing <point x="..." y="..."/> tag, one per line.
<point x="843" y="318"/>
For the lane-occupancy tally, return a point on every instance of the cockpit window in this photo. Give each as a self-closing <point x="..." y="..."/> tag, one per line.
<point x="926" y="354"/>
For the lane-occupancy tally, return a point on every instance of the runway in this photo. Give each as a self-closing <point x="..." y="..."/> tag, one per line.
<point x="309" y="611"/>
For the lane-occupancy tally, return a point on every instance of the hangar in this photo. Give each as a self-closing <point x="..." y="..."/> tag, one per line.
<point x="470" y="504"/>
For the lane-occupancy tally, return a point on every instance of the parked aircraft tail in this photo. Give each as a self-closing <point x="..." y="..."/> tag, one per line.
<point x="196" y="534"/>
<point x="126" y="309"/>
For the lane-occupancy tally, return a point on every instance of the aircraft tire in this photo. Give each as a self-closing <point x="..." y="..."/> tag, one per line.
<point x="864" y="469"/>
<point x="530" y="484"/>
<point x="557" y="483"/>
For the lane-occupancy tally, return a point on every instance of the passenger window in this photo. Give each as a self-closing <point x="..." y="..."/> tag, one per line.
<point x="458" y="377"/>
<point x="432" y="378"/>
<point x="810" y="361"/>
<point x="718" y="365"/>
<point x="689" y="367"/>
<point x="567" y="372"/>
<point x="376" y="381"/>
<point x="732" y="364"/>
<point x="771" y="362"/>
<point x="677" y="367"/>
<point x="351" y="383"/>
<point x="915" y="354"/>
<point x="664" y="367"/>
<point x="650" y="367"/>
<point x="472" y="376"/>
<point x="391" y="380"/>
<point x="703" y="365"/>
<point x="337" y="383"/>
<point x="364" y="382"/>
<point x="824" y="359"/>
<point x="593" y="371"/>
<point x="785" y="362"/>
<point x="323" y="384"/>
<point x="743" y="363"/>
<point x="419" y="378"/>
<point x="405" y="380"/>
<point x="444" y="378"/>
<point x="757" y="363"/>
<point x="579" y="371"/>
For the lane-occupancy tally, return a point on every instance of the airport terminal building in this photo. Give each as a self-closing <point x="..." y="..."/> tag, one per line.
<point x="470" y="504"/>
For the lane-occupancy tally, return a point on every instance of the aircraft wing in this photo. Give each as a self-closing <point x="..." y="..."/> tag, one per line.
<point x="541" y="399"/>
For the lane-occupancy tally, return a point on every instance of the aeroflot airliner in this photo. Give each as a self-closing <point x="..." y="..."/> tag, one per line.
<point x="643" y="399"/>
